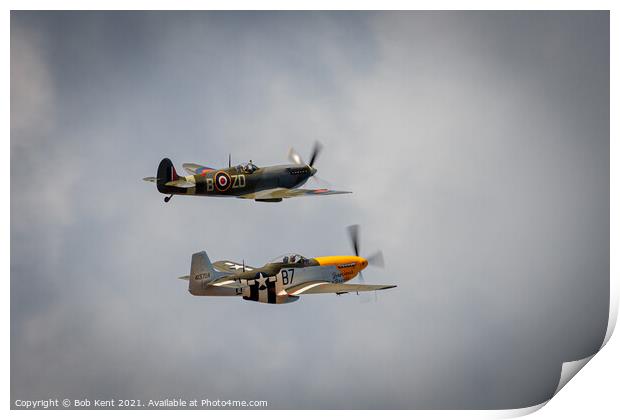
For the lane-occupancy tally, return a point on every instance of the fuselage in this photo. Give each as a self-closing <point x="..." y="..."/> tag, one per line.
<point x="269" y="283"/>
<point x="238" y="180"/>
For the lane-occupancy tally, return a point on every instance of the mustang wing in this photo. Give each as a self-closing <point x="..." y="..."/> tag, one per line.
<point x="196" y="169"/>
<point x="280" y="193"/>
<point x="230" y="266"/>
<point x="313" y="287"/>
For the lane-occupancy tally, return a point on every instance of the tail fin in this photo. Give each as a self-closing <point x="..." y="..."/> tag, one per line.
<point x="202" y="271"/>
<point x="166" y="173"/>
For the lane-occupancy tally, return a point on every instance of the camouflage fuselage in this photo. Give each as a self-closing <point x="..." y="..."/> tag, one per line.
<point x="233" y="181"/>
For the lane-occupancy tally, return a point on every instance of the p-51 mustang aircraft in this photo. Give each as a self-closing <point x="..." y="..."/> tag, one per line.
<point x="284" y="279"/>
<point x="268" y="184"/>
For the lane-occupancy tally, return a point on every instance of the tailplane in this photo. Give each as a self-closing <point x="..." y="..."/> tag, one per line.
<point x="202" y="271"/>
<point x="167" y="179"/>
<point x="165" y="174"/>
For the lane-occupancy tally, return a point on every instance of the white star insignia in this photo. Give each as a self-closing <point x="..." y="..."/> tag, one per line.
<point x="261" y="280"/>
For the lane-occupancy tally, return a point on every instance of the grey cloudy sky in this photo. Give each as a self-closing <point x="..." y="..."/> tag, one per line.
<point x="477" y="147"/>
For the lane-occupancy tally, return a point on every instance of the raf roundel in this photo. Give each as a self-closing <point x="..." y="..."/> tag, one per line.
<point x="222" y="181"/>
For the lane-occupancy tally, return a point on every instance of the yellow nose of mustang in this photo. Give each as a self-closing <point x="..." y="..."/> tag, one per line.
<point x="349" y="265"/>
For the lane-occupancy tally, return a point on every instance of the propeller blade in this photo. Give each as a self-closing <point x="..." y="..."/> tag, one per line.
<point x="315" y="153"/>
<point x="354" y="235"/>
<point x="364" y="297"/>
<point x="294" y="157"/>
<point x="376" y="259"/>
<point x="321" y="182"/>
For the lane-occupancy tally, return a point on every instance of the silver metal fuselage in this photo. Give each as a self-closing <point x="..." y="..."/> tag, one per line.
<point x="269" y="286"/>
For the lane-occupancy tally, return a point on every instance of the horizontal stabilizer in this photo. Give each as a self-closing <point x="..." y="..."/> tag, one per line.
<point x="184" y="277"/>
<point x="150" y="179"/>
<point x="180" y="183"/>
<point x="231" y="266"/>
<point x="233" y="284"/>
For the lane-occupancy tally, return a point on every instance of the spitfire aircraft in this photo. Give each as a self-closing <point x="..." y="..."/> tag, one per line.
<point x="283" y="279"/>
<point x="268" y="184"/>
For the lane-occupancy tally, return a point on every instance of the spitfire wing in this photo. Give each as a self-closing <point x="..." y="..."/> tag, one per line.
<point x="196" y="169"/>
<point x="297" y="192"/>
<point x="230" y="267"/>
<point x="280" y="193"/>
<point x="314" y="287"/>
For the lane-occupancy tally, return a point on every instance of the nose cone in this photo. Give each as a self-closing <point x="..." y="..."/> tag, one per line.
<point x="312" y="171"/>
<point x="360" y="262"/>
<point x="348" y="265"/>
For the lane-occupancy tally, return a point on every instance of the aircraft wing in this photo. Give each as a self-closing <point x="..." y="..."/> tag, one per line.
<point x="280" y="193"/>
<point x="230" y="267"/>
<point x="196" y="169"/>
<point x="314" y="287"/>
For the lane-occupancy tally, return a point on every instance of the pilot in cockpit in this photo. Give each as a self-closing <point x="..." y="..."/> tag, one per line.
<point x="250" y="167"/>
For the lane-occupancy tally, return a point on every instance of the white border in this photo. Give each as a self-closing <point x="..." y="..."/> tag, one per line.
<point x="596" y="385"/>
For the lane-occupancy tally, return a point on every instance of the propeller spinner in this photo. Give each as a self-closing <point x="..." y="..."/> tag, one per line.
<point x="297" y="159"/>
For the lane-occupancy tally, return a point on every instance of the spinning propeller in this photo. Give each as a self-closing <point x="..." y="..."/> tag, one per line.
<point x="296" y="157"/>
<point x="375" y="259"/>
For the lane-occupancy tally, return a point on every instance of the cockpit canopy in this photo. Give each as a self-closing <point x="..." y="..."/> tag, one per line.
<point x="247" y="168"/>
<point x="290" y="259"/>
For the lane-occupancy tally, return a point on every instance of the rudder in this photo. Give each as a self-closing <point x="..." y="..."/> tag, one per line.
<point x="202" y="271"/>
<point x="166" y="173"/>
